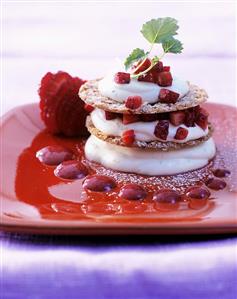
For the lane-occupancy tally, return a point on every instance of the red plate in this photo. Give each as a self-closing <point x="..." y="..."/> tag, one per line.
<point x="34" y="200"/>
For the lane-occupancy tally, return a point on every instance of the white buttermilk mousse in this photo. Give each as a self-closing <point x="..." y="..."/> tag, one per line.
<point x="144" y="131"/>
<point x="148" y="91"/>
<point x="148" y="161"/>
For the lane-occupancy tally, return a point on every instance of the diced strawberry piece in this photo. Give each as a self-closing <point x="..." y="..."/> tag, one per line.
<point x="166" y="68"/>
<point x="128" y="137"/>
<point x="202" y="118"/>
<point x="88" y="108"/>
<point x="110" y="115"/>
<point x="61" y="108"/>
<point x="167" y="96"/>
<point x="122" y="78"/>
<point x="190" y="117"/>
<point x="158" y="67"/>
<point x="181" y="133"/>
<point x="149" y="117"/>
<point x="164" y="79"/>
<point x="133" y="102"/>
<point x="130" y="118"/>
<point x="148" y="77"/>
<point x="145" y="65"/>
<point x="177" y="117"/>
<point x="162" y="129"/>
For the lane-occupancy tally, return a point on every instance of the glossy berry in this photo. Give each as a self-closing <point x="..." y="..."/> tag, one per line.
<point x="62" y="110"/>
<point x="71" y="170"/>
<point x="133" y="102"/>
<point x="128" y="137"/>
<point x="167" y="196"/>
<point x="181" y="133"/>
<point x="110" y="115"/>
<point x="132" y="192"/>
<point x="177" y="118"/>
<point x="88" y="108"/>
<point x="221" y="173"/>
<point x="99" y="183"/>
<point x="216" y="184"/>
<point x="167" y="96"/>
<point x="162" y="129"/>
<point x="122" y="78"/>
<point x="53" y="155"/>
<point x="130" y="118"/>
<point x="198" y="192"/>
<point x="197" y="197"/>
<point x="167" y="199"/>
<point x="164" y="79"/>
<point x="145" y="65"/>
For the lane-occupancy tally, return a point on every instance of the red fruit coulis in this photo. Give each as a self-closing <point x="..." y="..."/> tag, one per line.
<point x="82" y="190"/>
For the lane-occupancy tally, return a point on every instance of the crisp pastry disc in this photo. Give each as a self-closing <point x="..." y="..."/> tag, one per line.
<point x="90" y="94"/>
<point x="156" y="144"/>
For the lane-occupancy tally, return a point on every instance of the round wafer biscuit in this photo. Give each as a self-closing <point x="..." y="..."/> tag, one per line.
<point x="156" y="144"/>
<point x="90" y="94"/>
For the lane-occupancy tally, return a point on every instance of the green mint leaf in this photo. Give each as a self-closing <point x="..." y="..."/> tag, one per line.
<point x="172" y="45"/>
<point x="134" y="56"/>
<point x="157" y="30"/>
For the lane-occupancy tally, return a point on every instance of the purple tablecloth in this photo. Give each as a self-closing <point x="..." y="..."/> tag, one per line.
<point x="118" y="267"/>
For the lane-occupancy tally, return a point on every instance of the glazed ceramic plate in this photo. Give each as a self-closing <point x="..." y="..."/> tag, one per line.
<point x="34" y="200"/>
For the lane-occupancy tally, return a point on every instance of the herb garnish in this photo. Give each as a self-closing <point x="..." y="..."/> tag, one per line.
<point x="156" y="31"/>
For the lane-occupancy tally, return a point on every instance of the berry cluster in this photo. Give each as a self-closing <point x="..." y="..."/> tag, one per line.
<point x="158" y="74"/>
<point x="188" y="117"/>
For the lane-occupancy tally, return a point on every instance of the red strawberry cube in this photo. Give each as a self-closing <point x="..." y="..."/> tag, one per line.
<point x="165" y="79"/>
<point x="133" y="102"/>
<point x="128" y="137"/>
<point x="158" y="67"/>
<point x="148" y="77"/>
<point x="122" y="78"/>
<point x="110" y="115"/>
<point x="162" y="129"/>
<point x="145" y="65"/>
<point x="88" y="108"/>
<point x="190" y="117"/>
<point x="177" y="117"/>
<point x="130" y="118"/>
<point x="202" y="118"/>
<point x="181" y="133"/>
<point x="167" y="96"/>
<point x="166" y="68"/>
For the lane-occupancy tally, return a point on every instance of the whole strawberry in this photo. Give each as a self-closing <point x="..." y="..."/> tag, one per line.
<point x="61" y="108"/>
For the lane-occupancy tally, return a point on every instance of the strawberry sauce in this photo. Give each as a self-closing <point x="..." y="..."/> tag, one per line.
<point x="70" y="187"/>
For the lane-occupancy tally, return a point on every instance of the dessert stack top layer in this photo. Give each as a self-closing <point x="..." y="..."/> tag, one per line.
<point x="91" y="95"/>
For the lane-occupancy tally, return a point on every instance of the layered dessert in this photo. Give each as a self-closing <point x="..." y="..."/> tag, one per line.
<point x="145" y="120"/>
<point x="136" y="144"/>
